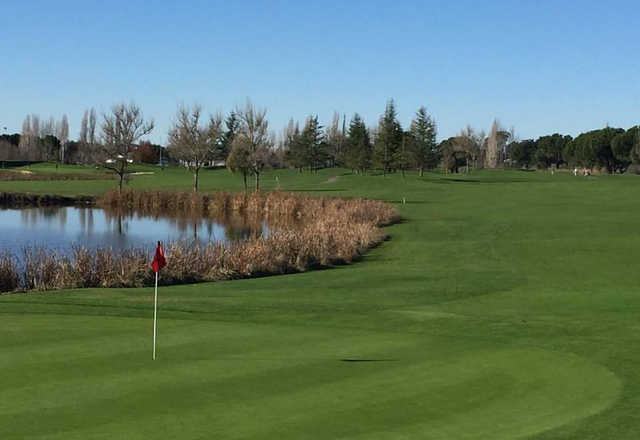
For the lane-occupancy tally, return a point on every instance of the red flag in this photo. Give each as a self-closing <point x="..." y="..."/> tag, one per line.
<point x="158" y="261"/>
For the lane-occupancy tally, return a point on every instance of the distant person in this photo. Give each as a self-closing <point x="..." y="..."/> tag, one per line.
<point x="575" y="171"/>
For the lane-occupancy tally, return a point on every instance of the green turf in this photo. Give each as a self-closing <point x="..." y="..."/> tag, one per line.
<point x="506" y="306"/>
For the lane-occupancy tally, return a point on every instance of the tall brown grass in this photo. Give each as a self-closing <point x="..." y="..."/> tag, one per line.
<point x="306" y="232"/>
<point x="9" y="277"/>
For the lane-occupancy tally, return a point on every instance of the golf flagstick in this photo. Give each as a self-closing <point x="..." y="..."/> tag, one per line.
<point x="155" y="318"/>
<point x="158" y="263"/>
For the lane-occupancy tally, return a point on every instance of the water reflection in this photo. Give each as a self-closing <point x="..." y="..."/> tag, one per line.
<point x="62" y="227"/>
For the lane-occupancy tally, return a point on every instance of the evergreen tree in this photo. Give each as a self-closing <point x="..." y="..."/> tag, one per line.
<point x="594" y="149"/>
<point x="423" y="141"/>
<point x="294" y="148"/>
<point x="521" y="153"/>
<point x="358" y="146"/>
<point x="549" y="150"/>
<point x="313" y="144"/>
<point x="388" y="142"/>
<point x="626" y="146"/>
<point x="223" y="148"/>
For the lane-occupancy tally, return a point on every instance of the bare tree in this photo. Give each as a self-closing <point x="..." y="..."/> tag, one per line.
<point x="35" y="125"/>
<point x="472" y="143"/>
<point x="238" y="161"/>
<point x="121" y="129"/>
<point x="493" y="153"/>
<point x="84" y="129"/>
<point x="92" y="126"/>
<point x="63" y="136"/>
<point x="194" y="143"/>
<point x="26" y="139"/>
<point x="253" y="136"/>
<point x="48" y="128"/>
<point x="26" y="126"/>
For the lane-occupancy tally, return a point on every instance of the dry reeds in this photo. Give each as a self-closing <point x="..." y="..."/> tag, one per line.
<point x="9" y="277"/>
<point x="270" y="206"/>
<point x="306" y="232"/>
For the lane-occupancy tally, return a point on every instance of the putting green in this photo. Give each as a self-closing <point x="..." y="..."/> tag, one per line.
<point x="74" y="376"/>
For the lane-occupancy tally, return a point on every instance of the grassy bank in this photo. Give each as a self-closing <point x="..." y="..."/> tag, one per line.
<point x="505" y="307"/>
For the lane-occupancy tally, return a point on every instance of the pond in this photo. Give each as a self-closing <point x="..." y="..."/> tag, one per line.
<point x="60" y="228"/>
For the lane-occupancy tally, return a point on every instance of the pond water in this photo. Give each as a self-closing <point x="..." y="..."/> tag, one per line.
<point x="60" y="228"/>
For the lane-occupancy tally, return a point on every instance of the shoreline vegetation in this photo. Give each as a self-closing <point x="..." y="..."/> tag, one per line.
<point x="308" y="233"/>
<point x="21" y="200"/>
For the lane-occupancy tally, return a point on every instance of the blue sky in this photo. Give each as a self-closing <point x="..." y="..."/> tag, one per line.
<point x="540" y="66"/>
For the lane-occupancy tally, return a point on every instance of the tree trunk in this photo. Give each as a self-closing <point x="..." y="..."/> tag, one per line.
<point x="195" y="180"/>
<point x="244" y="178"/>
<point x="257" y="181"/>
<point x="121" y="175"/>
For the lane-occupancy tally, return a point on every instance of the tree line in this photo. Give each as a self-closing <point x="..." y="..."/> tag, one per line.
<point x="386" y="147"/>
<point x="611" y="150"/>
<point x="244" y="143"/>
<point x="49" y="141"/>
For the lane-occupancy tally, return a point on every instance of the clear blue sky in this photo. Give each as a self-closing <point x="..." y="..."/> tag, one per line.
<point x="540" y="66"/>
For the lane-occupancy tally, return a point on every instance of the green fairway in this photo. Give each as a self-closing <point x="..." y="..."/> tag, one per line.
<point x="505" y="306"/>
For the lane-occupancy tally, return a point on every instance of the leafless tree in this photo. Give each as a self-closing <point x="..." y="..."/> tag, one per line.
<point x="84" y="130"/>
<point x="35" y="126"/>
<point x="48" y="127"/>
<point x="121" y="129"/>
<point x="472" y="143"/>
<point x="28" y="147"/>
<point x="495" y="144"/>
<point x="92" y="127"/>
<point x="83" y="138"/>
<point x="26" y="126"/>
<point x="239" y="162"/>
<point x="63" y="136"/>
<point x="192" y="142"/>
<point x="25" y="134"/>
<point x="253" y="137"/>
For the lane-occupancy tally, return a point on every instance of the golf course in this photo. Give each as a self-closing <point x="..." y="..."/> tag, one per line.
<point x="505" y="305"/>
